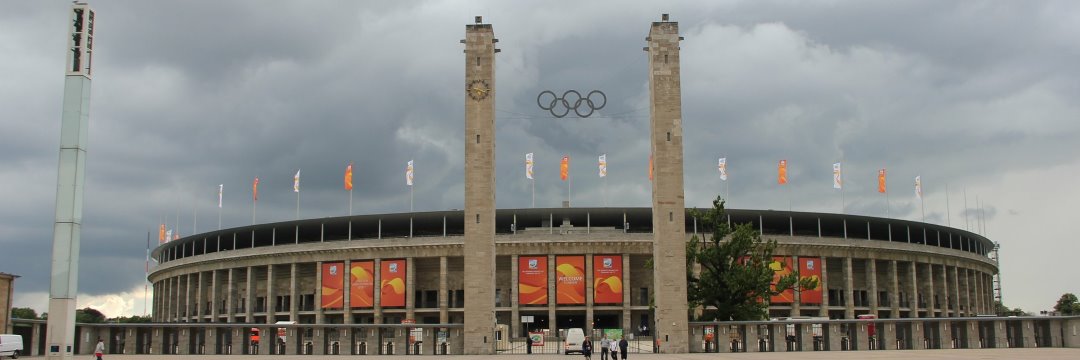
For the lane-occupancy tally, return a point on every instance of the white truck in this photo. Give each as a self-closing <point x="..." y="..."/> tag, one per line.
<point x="11" y="345"/>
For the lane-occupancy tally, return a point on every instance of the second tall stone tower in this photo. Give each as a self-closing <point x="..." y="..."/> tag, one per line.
<point x="669" y="224"/>
<point x="479" y="188"/>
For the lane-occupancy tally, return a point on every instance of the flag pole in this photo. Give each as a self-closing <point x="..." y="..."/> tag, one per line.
<point x="533" y="192"/>
<point x="195" y="218"/>
<point x="410" y="198"/>
<point x="254" y="203"/>
<point x="297" y="205"/>
<point x="843" y="203"/>
<point x="568" y="186"/>
<point x="605" y="191"/>
<point x="147" y="277"/>
<point x="350" y="202"/>
<point x="887" y="210"/>
<point x="967" y="225"/>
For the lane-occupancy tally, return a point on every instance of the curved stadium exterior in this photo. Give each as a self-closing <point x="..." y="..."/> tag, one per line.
<point x="268" y="273"/>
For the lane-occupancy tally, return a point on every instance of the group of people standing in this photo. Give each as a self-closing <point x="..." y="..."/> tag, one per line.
<point x="606" y="346"/>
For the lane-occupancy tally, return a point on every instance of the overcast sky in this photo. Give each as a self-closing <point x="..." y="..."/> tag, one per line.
<point x="187" y="95"/>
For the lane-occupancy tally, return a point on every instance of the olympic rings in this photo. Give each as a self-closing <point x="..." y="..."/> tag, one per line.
<point x="571" y="100"/>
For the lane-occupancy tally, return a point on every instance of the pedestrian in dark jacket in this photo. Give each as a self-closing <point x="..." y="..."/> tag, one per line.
<point x="586" y="349"/>
<point x="622" y="347"/>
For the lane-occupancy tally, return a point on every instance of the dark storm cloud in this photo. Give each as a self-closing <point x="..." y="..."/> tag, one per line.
<point x="189" y="95"/>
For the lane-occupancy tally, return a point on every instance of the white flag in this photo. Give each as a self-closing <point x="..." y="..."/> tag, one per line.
<point x="603" y="165"/>
<point x="918" y="187"/>
<point x="529" y="165"/>
<point x="722" y="165"/>
<point x="220" y="189"/>
<point x="837" y="177"/>
<point x="168" y="235"/>
<point x="409" y="174"/>
<point x="296" y="181"/>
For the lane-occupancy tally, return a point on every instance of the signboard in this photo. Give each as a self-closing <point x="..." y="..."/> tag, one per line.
<point x="527" y="319"/>
<point x="392" y="286"/>
<point x="537" y="338"/>
<point x="781" y="266"/>
<point x="362" y="284"/>
<point x="532" y="280"/>
<point x="607" y="279"/>
<point x="570" y="280"/>
<point x="810" y="268"/>
<point x="333" y="284"/>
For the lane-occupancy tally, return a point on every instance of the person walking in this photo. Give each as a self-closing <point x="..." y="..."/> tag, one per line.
<point x="99" y="349"/>
<point x="623" y="345"/>
<point x="605" y="343"/>
<point x="614" y="350"/>
<point x="586" y="349"/>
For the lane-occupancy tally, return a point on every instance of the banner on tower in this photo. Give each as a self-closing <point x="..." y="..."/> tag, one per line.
<point x="529" y="166"/>
<point x="837" y="177"/>
<point x="392" y="285"/>
<point x="781" y="266"/>
<point x="881" y="181"/>
<point x="722" y="165"/>
<point x="603" y="165"/>
<point x="607" y="279"/>
<point x="362" y="284"/>
<point x="810" y="268"/>
<point x="564" y="167"/>
<point x="781" y="172"/>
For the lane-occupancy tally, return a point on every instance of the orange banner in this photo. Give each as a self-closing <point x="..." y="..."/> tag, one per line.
<point x="650" y="168"/>
<point x="607" y="279"/>
<point x="781" y="266"/>
<point x="564" y="167"/>
<point x="532" y="280"/>
<point x="570" y="280"/>
<point x="348" y="177"/>
<point x="810" y="268"/>
<point x="362" y="284"/>
<point x="781" y="172"/>
<point x="333" y="283"/>
<point x="881" y="181"/>
<point x="393" y="283"/>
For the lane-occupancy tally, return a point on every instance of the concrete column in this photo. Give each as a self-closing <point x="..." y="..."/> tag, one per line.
<point x="318" y="338"/>
<point x="346" y="308"/>
<point x="796" y="304"/>
<point x="914" y="277"/>
<point x="155" y="341"/>
<point x="444" y="300"/>
<point x="965" y="295"/>
<point x="668" y="204"/>
<point x="410" y="289"/>
<point x="834" y="337"/>
<point x="551" y="295"/>
<point x="871" y="277"/>
<point x="823" y="311"/>
<point x="888" y="335"/>
<point x="1001" y="334"/>
<point x="956" y="293"/>
<point x="271" y="298"/>
<point x="187" y="298"/>
<point x="230" y="297"/>
<point x="319" y="318"/>
<point x="377" y="314"/>
<point x="183" y="340"/>
<point x="249" y="294"/>
<point x="515" y="315"/>
<point x="588" y="293"/>
<point x="199" y="297"/>
<point x="944" y="334"/>
<point x="917" y="336"/>
<point x="928" y="288"/>
<point x="294" y="299"/>
<point x="976" y="294"/>
<point x="129" y="342"/>
<point x="214" y="296"/>
<point x="849" y="289"/>
<point x="944" y="293"/>
<point x="894" y="291"/>
<point x="972" y="334"/>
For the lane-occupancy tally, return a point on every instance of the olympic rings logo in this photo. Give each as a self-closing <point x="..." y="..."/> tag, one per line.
<point x="571" y="100"/>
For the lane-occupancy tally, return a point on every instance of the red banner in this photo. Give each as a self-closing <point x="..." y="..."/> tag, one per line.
<point x="362" y="284"/>
<point x="607" y="279"/>
<point x="393" y="283"/>
<point x="333" y="284"/>
<point x="532" y="280"/>
<point x="810" y="268"/>
<point x="781" y="266"/>
<point x="570" y="280"/>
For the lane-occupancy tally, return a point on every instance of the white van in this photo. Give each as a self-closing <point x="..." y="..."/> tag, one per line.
<point x="574" y="338"/>
<point x="11" y="345"/>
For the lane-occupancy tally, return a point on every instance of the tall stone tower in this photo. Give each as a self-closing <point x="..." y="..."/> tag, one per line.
<point x="479" y="188"/>
<point x="669" y="225"/>
<point x="69" y="185"/>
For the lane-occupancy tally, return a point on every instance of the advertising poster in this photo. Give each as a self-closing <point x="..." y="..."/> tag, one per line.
<point x="362" y="284"/>
<point x="532" y="280"/>
<point x="570" y="280"/>
<point x="781" y="266"/>
<point x="810" y="268"/>
<point x="333" y="284"/>
<point x="607" y="279"/>
<point x="393" y="283"/>
<point x="537" y="338"/>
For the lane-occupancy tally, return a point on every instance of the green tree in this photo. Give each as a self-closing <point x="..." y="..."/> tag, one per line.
<point x="130" y="319"/>
<point x="1067" y="305"/>
<point x="89" y="316"/>
<point x="24" y="313"/>
<point x="735" y="274"/>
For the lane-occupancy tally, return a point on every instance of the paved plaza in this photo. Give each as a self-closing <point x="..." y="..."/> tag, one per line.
<point x="1047" y="353"/>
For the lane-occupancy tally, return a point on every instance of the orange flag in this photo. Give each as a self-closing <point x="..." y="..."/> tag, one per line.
<point x="650" y="168"/>
<point x="255" y="189"/>
<point x="348" y="177"/>
<point x="881" y="181"/>
<point x="564" y="167"/>
<point x="781" y="172"/>
<point x="161" y="234"/>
